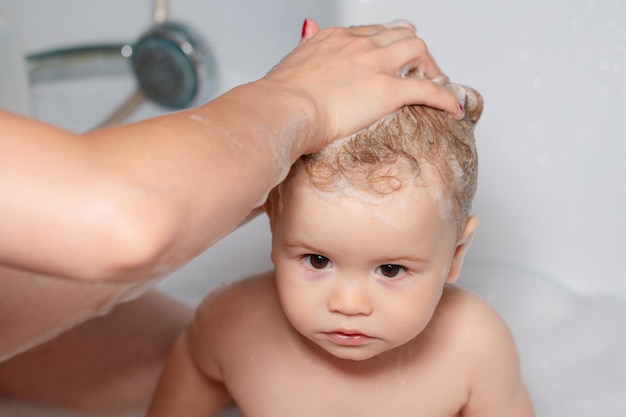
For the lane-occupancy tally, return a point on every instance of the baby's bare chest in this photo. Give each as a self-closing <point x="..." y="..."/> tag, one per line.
<point x="282" y="385"/>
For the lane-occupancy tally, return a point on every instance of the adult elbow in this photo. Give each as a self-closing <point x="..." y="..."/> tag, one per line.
<point x="128" y="245"/>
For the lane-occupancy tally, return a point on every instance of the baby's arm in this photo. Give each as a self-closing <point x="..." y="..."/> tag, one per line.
<point x="184" y="389"/>
<point x="497" y="388"/>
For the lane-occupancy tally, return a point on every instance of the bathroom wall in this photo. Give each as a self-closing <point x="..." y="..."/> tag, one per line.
<point x="552" y="195"/>
<point x="247" y="38"/>
<point x="552" y="190"/>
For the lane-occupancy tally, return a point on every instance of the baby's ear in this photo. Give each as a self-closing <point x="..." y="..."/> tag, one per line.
<point x="465" y="240"/>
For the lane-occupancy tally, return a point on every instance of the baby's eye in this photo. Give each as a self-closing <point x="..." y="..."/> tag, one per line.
<point x="317" y="261"/>
<point x="390" y="270"/>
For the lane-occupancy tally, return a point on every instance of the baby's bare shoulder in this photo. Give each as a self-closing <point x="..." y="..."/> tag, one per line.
<point x="238" y="302"/>
<point x="481" y="339"/>
<point x="489" y="359"/>
<point x="471" y="318"/>
<point x="456" y="300"/>
<point x="471" y="313"/>
<point x="229" y="317"/>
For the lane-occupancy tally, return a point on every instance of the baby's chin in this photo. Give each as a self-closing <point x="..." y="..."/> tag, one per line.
<point x="355" y="356"/>
<point x="355" y="353"/>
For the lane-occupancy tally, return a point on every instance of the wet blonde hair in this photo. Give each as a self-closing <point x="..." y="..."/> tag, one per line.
<point x="382" y="158"/>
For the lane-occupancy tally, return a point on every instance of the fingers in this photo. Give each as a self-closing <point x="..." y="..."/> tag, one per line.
<point x="364" y="68"/>
<point x="387" y="32"/>
<point x="421" y="91"/>
<point x="382" y="35"/>
<point x="406" y="50"/>
<point x="412" y="54"/>
<point x="409" y="48"/>
<point x="373" y="29"/>
<point x="400" y="23"/>
<point x="403" y="52"/>
<point x="365" y="30"/>
<point x="310" y="28"/>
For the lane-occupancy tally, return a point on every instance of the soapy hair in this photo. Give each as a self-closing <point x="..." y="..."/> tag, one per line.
<point x="384" y="157"/>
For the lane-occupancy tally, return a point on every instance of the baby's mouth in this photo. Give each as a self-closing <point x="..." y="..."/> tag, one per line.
<point x="348" y="337"/>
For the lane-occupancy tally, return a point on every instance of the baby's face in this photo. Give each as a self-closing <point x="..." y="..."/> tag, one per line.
<point x="359" y="274"/>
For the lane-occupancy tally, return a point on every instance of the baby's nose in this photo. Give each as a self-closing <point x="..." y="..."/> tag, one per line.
<point x="349" y="298"/>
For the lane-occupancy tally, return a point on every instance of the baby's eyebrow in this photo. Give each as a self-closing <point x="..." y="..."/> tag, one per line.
<point x="399" y="259"/>
<point x="302" y="245"/>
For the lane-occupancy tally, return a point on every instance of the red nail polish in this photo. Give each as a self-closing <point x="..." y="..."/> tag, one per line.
<point x="304" y="25"/>
<point x="461" y="107"/>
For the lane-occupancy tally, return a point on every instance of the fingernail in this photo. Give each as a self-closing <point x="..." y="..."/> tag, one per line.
<point x="460" y="93"/>
<point x="399" y="23"/>
<point x="461" y="113"/>
<point x="304" y="25"/>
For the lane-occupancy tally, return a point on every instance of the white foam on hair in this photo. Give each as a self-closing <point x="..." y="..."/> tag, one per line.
<point x="341" y="190"/>
<point x="444" y="203"/>
<point x="333" y="147"/>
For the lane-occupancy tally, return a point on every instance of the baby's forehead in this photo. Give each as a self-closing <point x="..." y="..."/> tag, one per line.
<point x="338" y="187"/>
<point x="422" y="192"/>
<point x="382" y="180"/>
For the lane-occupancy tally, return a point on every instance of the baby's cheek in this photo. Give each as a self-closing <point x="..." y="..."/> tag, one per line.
<point x="411" y="320"/>
<point x="296" y="305"/>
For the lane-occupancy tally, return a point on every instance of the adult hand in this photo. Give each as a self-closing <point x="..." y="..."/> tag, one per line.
<point x="353" y="76"/>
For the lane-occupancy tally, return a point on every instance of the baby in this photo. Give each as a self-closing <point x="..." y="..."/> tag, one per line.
<point x="361" y="316"/>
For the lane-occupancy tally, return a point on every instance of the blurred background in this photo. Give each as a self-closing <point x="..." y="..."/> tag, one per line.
<point x="552" y="185"/>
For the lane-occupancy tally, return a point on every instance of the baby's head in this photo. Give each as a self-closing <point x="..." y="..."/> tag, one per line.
<point x="367" y="233"/>
<point x="414" y="144"/>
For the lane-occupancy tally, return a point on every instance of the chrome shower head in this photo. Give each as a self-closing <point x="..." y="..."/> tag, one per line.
<point x="174" y="65"/>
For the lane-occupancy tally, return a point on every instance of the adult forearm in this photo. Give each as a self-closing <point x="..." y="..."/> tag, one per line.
<point x="192" y="177"/>
<point x="136" y="201"/>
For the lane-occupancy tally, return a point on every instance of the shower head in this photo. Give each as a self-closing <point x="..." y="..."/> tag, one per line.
<point x="173" y="65"/>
